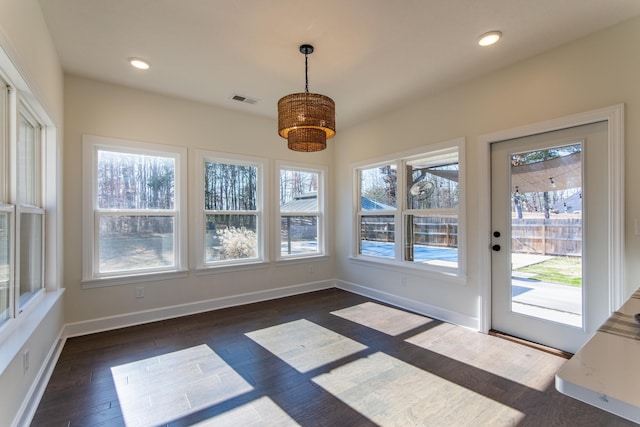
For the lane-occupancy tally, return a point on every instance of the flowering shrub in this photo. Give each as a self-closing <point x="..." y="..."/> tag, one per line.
<point x="237" y="243"/>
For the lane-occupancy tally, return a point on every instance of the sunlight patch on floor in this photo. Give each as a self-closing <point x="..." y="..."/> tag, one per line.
<point x="260" y="412"/>
<point x="389" y="391"/>
<point x="515" y="362"/>
<point x="161" y="389"/>
<point x="390" y="321"/>
<point x="304" y="345"/>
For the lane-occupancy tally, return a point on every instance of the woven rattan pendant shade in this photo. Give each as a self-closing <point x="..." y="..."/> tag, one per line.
<point x="306" y="119"/>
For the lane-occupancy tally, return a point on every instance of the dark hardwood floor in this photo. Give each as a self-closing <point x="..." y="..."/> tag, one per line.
<point x="327" y="358"/>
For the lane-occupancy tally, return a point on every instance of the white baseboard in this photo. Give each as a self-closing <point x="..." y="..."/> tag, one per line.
<point x="34" y="395"/>
<point x="147" y="316"/>
<point x="412" y="305"/>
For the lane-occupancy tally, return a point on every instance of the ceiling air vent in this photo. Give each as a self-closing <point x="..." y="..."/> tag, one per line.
<point x="244" y="99"/>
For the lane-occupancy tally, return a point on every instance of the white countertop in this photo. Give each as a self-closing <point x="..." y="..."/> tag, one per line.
<point x="605" y="372"/>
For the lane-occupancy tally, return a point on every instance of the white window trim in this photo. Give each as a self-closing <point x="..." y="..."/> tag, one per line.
<point x="455" y="275"/>
<point x="90" y="145"/>
<point x="15" y="332"/>
<point x="322" y="172"/>
<point x="198" y="213"/>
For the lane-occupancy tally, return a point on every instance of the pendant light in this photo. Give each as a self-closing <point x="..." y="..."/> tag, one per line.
<point x="306" y="119"/>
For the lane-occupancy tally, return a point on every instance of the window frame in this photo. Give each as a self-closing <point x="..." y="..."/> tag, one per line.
<point x="34" y="205"/>
<point x="401" y="212"/>
<point x="361" y="213"/>
<point x="92" y="277"/>
<point x="320" y="214"/>
<point x="17" y="93"/>
<point x="199" y="213"/>
<point x="15" y="107"/>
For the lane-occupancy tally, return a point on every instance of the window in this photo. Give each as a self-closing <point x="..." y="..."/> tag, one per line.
<point x="231" y="213"/>
<point x="134" y="200"/>
<point x="30" y="214"/>
<point x="377" y="215"/>
<point x="6" y="213"/>
<point x="22" y="213"/>
<point x="413" y="217"/>
<point x="431" y="215"/>
<point x="301" y="211"/>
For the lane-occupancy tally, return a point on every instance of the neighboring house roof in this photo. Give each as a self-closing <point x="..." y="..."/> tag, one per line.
<point x="371" y="205"/>
<point x="307" y="202"/>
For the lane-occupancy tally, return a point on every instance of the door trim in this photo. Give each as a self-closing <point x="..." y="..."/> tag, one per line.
<point x="614" y="115"/>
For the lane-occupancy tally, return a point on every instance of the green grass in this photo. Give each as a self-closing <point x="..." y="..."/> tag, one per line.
<point x="560" y="270"/>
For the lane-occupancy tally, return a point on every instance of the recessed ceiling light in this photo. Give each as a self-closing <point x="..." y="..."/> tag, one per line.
<point x="487" y="39"/>
<point x="138" y="63"/>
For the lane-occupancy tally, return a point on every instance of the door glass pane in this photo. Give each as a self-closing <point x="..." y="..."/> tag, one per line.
<point x="546" y="234"/>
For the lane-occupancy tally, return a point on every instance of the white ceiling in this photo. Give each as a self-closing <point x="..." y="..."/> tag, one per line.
<point x="370" y="55"/>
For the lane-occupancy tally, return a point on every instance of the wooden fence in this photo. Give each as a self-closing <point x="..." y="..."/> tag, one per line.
<point x="556" y="236"/>
<point x="561" y="236"/>
<point x="432" y="231"/>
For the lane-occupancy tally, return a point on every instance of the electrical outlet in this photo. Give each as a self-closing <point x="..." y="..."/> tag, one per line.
<point x="310" y="268"/>
<point x="404" y="282"/>
<point x="140" y="292"/>
<point x="25" y="360"/>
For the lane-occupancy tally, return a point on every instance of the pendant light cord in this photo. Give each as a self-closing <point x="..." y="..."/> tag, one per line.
<point x="306" y="74"/>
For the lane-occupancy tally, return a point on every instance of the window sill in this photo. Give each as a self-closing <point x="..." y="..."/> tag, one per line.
<point x="449" y="276"/>
<point x="228" y="268"/>
<point x="302" y="259"/>
<point x="129" y="280"/>
<point x="16" y="332"/>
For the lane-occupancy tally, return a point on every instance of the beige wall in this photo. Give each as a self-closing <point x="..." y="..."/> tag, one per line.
<point x="25" y="39"/>
<point x="107" y="110"/>
<point x="598" y="71"/>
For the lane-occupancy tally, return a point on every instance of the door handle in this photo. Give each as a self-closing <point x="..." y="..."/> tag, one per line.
<point x="496" y="248"/>
<point x="496" y="234"/>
